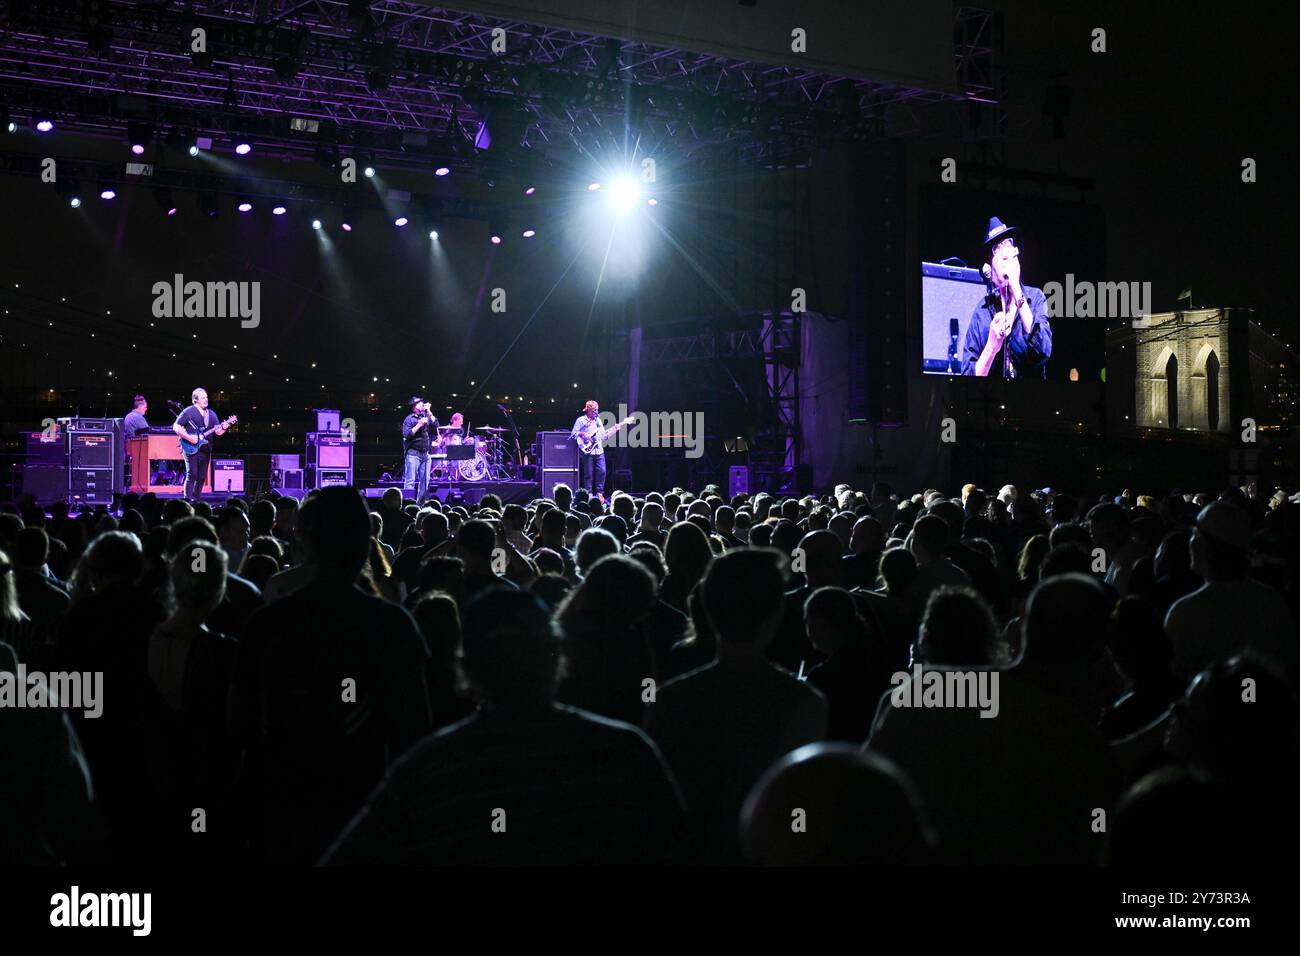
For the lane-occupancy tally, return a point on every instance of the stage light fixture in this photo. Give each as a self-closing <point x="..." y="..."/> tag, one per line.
<point x="433" y="234"/>
<point x="44" y="125"/>
<point x="624" y="194"/>
<point x="496" y="240"/>
<point x="346" y="227"/>
<point x="75" y="202"/>
<point x="243" y="149"/>
<point x="530" y="190"/>
<point x="245" y="206"/>
<point x="107" y="191"/>
<point x="316" y="224"/>
<point x="441" y="171"/>
<point x="139" y="135"/>
<point x="278" y="211"/>
<point x="369" y="172"/>
<point x="593" y="187"/>
<point x="529" y="233"/>
<point x="400" y="221"/>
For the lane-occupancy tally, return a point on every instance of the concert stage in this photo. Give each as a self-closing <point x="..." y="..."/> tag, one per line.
<point x="468" y="492"/>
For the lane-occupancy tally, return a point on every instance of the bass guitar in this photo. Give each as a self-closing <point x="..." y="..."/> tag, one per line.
<point x="189" y="447"/>
<point x="589" y="444"/>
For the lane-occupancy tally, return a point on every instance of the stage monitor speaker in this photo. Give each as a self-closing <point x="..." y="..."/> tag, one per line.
<point x="286" y="462"/>
<point x="556" y="476"/>
<point x="290" y="479"/>
<point x="326" y="420"/>
<point x="228" y="475"/>
<point x="557" y="450"/>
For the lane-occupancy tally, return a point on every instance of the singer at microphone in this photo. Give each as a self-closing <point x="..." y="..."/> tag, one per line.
<point x="416" y="441"/>
<point x="1009" y="334"/>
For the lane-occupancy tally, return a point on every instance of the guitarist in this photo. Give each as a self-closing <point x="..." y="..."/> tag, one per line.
<point x="190" y="425"/>
<point x="590" y="436"/>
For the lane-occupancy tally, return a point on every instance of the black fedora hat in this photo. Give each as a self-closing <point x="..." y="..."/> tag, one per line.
<point x="997" y="231"/>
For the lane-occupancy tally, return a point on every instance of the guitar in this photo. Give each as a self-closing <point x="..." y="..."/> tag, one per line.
<point x="589" y="445"/>
<point x="189" y="447"/>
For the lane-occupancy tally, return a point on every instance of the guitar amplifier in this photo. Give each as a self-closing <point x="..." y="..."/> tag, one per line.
<point x="92" y="450"/>
<point x="228" y="475"/>
<point x="285" y="463"/>
<point x="328" y="451"/>
<point x="555" y="476"/>
<point x="557" y="450"/>
<point x="326" y="420"/>
<point x="49" y="449"/>
<point x="327" y="477"/>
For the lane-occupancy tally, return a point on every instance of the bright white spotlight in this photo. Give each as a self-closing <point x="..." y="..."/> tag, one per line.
<point x="433" y="234"/>
<point x="315" y="224"/>
<point x="370" y="172"/>
<point x="624" y="194"/>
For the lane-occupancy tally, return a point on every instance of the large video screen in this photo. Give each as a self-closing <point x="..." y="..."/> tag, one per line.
<point x="996" y="271"/>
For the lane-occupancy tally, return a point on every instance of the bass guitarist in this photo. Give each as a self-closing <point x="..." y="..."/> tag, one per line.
<point x="194" y="425"/>
<point x="590" y="436"/>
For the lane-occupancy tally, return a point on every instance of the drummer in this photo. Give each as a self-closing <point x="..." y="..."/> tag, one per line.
<point x="454" y="432"/>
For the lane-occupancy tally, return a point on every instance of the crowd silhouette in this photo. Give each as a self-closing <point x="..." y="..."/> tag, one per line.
<point x="678" y="678"/>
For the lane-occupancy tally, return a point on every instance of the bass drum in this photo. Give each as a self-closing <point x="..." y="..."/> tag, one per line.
<point x="476" y="468"/>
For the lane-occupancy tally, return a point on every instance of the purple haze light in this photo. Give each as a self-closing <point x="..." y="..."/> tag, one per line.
<point x="108" y="194"/>
<point x="346" y="227"/>
<point x="243" y="149"/>
<point x="529" y="233"/>
<point x="530" y="190"/>
<point x="496" y="240"/>
<point x="278" y="211"/>
<point x="441" y="171"/>
<point x="44" y="126"/>
<point x="171" y="211"/>
<point x="400" y="221"/>
<point x="137" y="148"/>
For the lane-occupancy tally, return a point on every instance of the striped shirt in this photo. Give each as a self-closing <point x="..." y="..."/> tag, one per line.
<point x="552" y="786"/>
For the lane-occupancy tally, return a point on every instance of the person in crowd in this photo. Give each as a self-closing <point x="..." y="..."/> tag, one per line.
<point x="523" y="780"/>
<point x="330" y="688"/>
<point x="721" y="725"/>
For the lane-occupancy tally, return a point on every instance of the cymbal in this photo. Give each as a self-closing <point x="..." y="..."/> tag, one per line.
<point x="490" y="428"/>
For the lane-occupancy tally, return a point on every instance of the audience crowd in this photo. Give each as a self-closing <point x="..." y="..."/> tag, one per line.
<point x="676" y="678"/>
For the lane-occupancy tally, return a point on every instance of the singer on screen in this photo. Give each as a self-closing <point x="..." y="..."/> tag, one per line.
<point x="1009" y="334"/>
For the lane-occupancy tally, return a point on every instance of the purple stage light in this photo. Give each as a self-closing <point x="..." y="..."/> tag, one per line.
<point x="529" y="233"/>
<point x="496" y="240"/>
<point x="108" y="194"/>
<point x="245" y="206"/>
<point x="243" y="149"/>
<point x="278" y="211"/>
<point x="441" y="171"/>
<point x="44" y="126"/>
<point x="400" y="221"/>
<point x="530" y="190"/>
<point x="346" y="227"/>
<point x="171" y="211"/>
<point x="137" y="148"/>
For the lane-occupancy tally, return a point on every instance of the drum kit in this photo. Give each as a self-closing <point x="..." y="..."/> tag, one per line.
<point x="489" y="461"/>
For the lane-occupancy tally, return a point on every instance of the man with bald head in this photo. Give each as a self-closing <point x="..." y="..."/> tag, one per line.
<point x="859" y="809"/>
